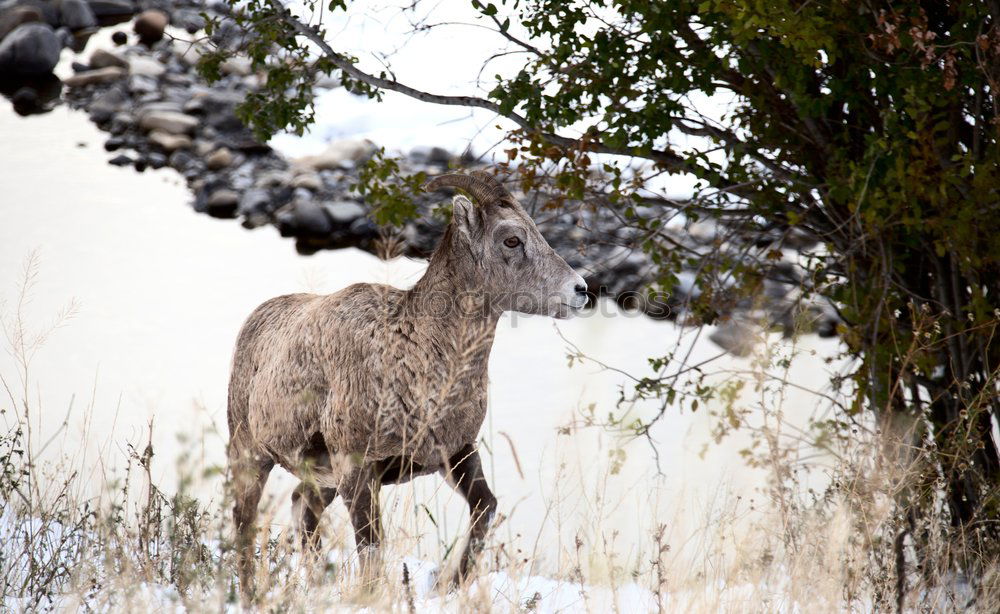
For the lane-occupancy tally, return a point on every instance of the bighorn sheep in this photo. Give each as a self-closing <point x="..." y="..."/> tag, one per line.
<point x="375" y="385"/>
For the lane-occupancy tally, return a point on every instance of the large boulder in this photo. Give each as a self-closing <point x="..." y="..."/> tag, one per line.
<point x="15" y="16"/>
<point x="76" y="15"/>
<point x="30" y="49"/>
<point x="150" y="24"/>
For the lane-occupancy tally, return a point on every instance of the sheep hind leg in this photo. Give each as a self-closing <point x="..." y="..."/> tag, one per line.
<point x="250" y="474"/>
<point x="308" y="502"/>
<point x="360" y="490"/>
<point x="465" y="474"/>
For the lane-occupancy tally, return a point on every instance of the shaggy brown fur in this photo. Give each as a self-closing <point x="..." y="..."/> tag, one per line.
<point x="375" y="385"/>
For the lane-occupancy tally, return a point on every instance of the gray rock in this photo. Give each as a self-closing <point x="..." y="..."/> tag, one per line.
<point x="157" y="160"/>
<point x="141" y="84"/>
<point x="168" y="121"/>
<point x="184" y="161"/>
<point x="102" y="59"/>
<point x="145" y="66"/>
<point x="273" y="179"/>
<point x="437" y="156"/>
<point x="160" y="105"/>
<point x="735" y="337"/>
<point x="112" y="8"/>
<point x="104" y="106"/>
<point x="219" y="159"/>
<point x="114" y="143"/>
<point x="169" y="142"/>
<point x="76" y="15"/>
<point x="101" y="75"/>
<point x="120" y="160"/>
<point x="219" y="6"/>
<point x="218" y="106"/>
<point x="30" y="49"/>
<point x="179" y="79"/>
<point x="309" y="181"/>
<point x="305" y="217"/>
<point x="236" y="65"/>
<point x="242" y="178"/>
<point x="254" y="206"/>
<point x="225" y="122"/>
<point x="339" y="154"/>
<point x="14" y="16"/>
<point x="65" y="37"/>
<point x="188" y="19"/>
<point x="223" y="203"/>
<point x="228" y="34"/>
<point x="119" y="38"/>
<point x="363" y="228"/>
<point x="150" y="24"/>
<point x="188" y="54"/>
<point x="203" y="147"/>
<point x="25" y="98"/>
<point x="121" y="122"/>
<point x="344" y="212"/>
<point x="827" y="327"/>
<point x="253" y="82"/>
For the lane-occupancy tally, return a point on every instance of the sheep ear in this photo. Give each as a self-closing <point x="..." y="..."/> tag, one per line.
<point x="466" y="217"/>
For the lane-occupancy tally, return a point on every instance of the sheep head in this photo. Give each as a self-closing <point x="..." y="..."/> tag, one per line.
<point x="497" y="245"/>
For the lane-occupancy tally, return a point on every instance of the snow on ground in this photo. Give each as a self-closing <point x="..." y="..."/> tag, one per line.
<point x="504" y="591"/>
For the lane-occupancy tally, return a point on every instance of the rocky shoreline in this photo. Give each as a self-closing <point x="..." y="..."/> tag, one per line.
<point x="145" y="92"/>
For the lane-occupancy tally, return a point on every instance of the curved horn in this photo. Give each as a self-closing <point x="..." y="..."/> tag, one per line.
<point x="484" y="187"/>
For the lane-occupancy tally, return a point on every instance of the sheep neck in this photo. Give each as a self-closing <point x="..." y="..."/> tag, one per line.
<point x="451" y="291"/>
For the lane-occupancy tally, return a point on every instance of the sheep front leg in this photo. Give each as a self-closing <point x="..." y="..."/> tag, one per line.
<point x="465" y="474"/>
<point x="360" y="491"/>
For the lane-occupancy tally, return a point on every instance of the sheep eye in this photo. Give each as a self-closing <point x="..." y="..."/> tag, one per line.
<point x="512" y="242"/>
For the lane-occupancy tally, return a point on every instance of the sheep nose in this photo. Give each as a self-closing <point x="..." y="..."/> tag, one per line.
<point x="581" y="288"/>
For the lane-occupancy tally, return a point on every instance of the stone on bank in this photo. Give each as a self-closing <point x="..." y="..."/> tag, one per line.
<point x="172" y="122"/>
<point x="30" y="49"/>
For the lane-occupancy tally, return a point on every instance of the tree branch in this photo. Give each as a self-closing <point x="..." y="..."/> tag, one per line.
<point x="665" y="158"/>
